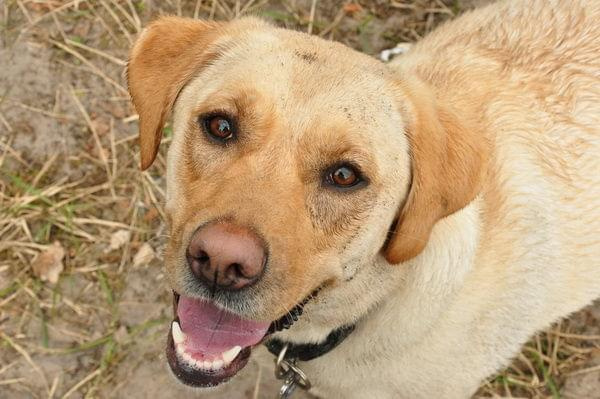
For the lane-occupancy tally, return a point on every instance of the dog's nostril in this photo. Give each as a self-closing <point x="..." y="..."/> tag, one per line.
<point x="200" y="263"/>
<point x="239" y="269"/>
<point x="203" y="257"/>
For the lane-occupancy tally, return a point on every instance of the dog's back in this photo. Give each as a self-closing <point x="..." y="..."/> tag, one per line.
<point x="528" y="75"/>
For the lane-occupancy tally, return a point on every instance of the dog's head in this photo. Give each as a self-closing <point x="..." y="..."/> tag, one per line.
<point x="297" y="165"/>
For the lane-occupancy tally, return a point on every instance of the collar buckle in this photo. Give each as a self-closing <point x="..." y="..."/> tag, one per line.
<point x="292" y="376"/>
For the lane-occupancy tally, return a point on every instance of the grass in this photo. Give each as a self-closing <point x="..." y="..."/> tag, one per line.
<point x="68" y="173"/>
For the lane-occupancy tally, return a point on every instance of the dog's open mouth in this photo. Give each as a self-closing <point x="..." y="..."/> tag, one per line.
<point x="207" y="345"/>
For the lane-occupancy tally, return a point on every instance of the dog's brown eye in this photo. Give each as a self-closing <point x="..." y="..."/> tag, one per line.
<point x="344" y="176"/>
<point x="219" y="127"/>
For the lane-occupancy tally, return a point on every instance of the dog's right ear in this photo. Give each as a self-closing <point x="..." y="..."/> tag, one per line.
<point x="168" y="53"/>
<point x="449" y="157"/>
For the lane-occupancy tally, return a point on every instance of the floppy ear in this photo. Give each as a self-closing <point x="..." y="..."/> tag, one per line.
<point x="164" y="58"/>
<point x="448" y="161"/>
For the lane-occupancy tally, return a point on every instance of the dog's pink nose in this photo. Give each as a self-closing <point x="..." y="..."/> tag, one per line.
<point x="226" y="256"/>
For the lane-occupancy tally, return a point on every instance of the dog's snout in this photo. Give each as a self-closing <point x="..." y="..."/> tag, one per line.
<point x="226" y="256"/>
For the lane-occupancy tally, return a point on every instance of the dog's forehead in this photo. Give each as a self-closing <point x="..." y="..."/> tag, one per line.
<point x="294" y="69"/>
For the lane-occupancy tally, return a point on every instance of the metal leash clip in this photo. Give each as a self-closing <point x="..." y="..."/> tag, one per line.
<point x="292" y="376"/>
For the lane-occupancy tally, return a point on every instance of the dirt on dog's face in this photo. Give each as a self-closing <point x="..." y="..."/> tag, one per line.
<point x="288" y="166"/>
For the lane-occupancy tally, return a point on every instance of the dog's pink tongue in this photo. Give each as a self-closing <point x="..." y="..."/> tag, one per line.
<point x="211" y="330"/>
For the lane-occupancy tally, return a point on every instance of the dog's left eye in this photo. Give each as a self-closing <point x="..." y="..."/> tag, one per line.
<point x="218" y="127"/>
<point x="343" y="176"/>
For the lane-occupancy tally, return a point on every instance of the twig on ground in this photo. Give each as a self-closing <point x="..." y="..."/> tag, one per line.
<point x="101" y="151"/>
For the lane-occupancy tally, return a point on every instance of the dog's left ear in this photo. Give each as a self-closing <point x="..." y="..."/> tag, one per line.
<point x="163" y="59"/>
<point x="449" y="155"/>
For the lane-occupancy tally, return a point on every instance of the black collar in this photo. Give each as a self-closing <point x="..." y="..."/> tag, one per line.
<point x="305" y="352"/>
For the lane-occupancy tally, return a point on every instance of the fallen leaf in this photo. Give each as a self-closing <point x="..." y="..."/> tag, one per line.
<point x="48" y="264"/>
<point x="43" y="6"/>
<point x="351" y="8"/>
<point x="144" y="255"/>
<point x="101" y="126"/>
<point x="117" y="110"/>
<point x="151" y="214"/>
<point x="119" y="238"/>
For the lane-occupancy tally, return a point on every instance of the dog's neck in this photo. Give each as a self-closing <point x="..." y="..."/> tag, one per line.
<point x="434" y="278"/>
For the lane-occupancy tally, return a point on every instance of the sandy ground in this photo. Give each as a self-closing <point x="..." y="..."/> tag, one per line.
<point x="68" y="174"/>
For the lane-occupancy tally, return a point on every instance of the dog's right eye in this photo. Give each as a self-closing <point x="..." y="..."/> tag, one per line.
<point x="219" y="127"/>
<point x="344" y="176"/>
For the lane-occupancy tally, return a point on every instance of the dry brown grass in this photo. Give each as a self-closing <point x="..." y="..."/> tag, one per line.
<point x="68" y="174"/>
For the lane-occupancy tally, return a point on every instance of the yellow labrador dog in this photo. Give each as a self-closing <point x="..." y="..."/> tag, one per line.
<point x="405" y="228"/>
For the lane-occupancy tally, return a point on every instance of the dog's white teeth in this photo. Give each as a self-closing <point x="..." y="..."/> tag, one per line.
<point x="217" y="364"/>
<point x="208" y="365"/>
<point x="188" y="358"/>
<point x="178" y="335"/>
<point x="231" y="354"/>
